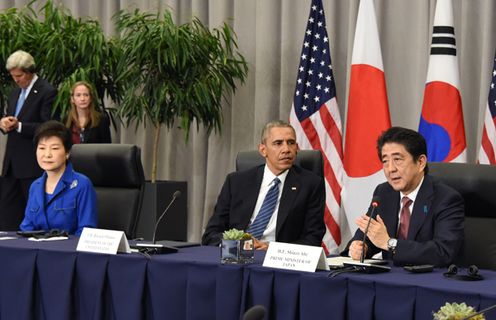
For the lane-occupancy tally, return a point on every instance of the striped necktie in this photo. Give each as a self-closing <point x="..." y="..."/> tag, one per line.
<point x="257" y="228"/>
<point x="20" y="102"/>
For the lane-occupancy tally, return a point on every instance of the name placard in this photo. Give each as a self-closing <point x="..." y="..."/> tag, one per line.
<point x="295" y="257"/>
<point x="103" y="241"/>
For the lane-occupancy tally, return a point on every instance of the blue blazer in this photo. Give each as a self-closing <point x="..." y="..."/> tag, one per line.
<point x="71" y="208"/>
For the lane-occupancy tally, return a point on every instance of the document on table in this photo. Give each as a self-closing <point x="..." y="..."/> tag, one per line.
<point x="339" y="261"/>
<point x="48" y="239"/>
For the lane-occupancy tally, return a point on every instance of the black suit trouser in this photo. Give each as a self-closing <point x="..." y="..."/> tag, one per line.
<point x="14" y="194"/>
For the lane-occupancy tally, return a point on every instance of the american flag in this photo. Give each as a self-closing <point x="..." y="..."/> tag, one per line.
<point x="316" y="119"/>
<point x="488" y="144"/>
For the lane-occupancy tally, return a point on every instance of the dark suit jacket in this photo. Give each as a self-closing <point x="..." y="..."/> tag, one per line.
<point x="300" y="218"/>
<point x="100" y="133"/>
<point x="436" y="227"/>
<point x="20" y="153"/>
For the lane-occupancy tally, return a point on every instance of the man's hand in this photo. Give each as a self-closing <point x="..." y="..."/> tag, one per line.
<point x="377" y="231"/>
<point x="356" y="248"/>
<point x="260" y="245"/>
<point x="8" y="123"/>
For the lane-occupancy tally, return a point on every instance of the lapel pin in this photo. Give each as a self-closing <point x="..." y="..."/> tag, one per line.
<point x="293" y="188"/>
<point x="35" y="91"/>
<point x="74" y="184"/>
<point x="425" y="210"/>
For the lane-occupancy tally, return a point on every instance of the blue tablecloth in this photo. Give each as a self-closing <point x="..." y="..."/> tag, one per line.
<point x="50" y="280"/>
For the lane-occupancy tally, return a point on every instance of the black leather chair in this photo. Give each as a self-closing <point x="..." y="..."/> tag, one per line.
<point x="309" y="159"/>
<point x="117" y="175"/>
<point x="477" y="185"/>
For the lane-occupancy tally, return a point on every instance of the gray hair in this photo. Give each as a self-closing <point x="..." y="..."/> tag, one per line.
<point x="274" y="124"/>
<point x="22" y="60"/>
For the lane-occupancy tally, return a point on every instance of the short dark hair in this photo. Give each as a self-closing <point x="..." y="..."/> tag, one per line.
<point x="53" y="128"/>
<point x="274" y="124"/>
<point x="413" y="142"/>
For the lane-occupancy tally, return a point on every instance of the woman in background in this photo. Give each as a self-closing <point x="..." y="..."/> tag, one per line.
<point x="61" y="198"/>
<point x="87" y="125"/>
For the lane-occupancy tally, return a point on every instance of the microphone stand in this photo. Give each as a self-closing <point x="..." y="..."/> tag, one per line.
<point x="176" y="195"/>
<point x="361" y="266"/>
<point x="154" y="248"/>
<point x="375" y="203"/>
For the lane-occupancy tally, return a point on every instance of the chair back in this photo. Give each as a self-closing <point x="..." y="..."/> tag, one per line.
<point x="117" y="175"/>
<point x="477" y="184"/>
<point x="307" y="159"/>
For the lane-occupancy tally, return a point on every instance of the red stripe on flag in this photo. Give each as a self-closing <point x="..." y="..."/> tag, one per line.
<point x="488" y="147"/>
<point x="332" y="226"/>
<point x="332" y="129"/>
<point x="313" y="137"/>
<point x="330" y="177"/>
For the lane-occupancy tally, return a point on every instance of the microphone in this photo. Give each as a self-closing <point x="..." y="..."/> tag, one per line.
<point x="176" y="195"/>
<point x="154" y="248"/>
<point x="255" y="313"/>
<point x="367" y="267"/>
<point x="374" y="204"/>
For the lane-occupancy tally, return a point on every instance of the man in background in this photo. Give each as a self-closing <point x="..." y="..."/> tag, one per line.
<point x="419" y="219"/>
<point x="277" y="201"/>
<point x="29" y="105"/>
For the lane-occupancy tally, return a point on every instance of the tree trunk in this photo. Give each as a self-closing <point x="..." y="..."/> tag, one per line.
<point x="156" y="139"/>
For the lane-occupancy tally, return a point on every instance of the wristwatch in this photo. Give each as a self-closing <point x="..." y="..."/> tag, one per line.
<point x="392" y="242"/>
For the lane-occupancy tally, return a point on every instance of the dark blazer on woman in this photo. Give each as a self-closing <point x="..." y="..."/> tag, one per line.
<point x="98" y="134"/>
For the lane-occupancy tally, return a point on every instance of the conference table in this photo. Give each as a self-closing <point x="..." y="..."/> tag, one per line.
<point x="51" y="280"/>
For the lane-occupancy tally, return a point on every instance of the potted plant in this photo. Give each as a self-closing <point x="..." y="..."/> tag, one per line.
<point x="457" y="311"/>
<point x="69" y="50"/>
<point x="236" y="247"/>
<point x="173" y="72"/>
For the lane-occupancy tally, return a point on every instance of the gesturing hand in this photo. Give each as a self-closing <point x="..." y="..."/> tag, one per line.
<point x="377" y="232"/>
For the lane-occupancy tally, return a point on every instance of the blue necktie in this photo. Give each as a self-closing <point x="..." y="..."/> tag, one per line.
<point x="258" y="226"/>
<point x="20" y="102"/>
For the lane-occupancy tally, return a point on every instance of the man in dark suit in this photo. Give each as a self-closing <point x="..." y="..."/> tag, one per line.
<point x="29" y="105"/>
<point x="297" y="211"/>
<point x="431" y="232"/>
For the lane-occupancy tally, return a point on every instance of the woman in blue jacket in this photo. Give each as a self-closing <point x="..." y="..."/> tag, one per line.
<point x="61" y="198"/>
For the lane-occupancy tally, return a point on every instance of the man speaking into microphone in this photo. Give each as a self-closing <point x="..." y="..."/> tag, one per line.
<point x="419" y="220"/>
